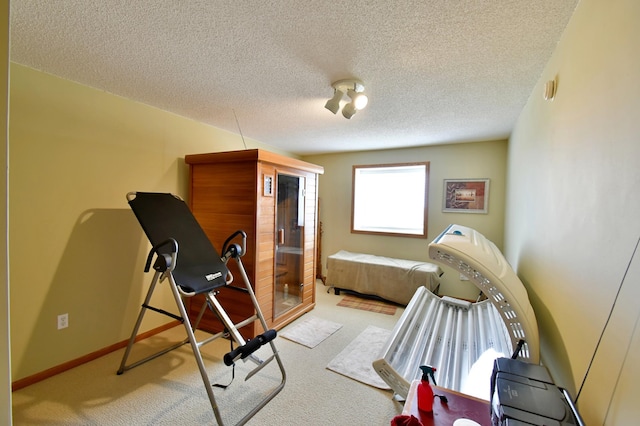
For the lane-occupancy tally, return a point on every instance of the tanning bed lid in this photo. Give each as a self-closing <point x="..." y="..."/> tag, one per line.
<point x="473" y="255"/>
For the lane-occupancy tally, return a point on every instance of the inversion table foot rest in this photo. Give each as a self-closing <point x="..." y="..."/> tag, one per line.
<point x="187" y="260"/>
<point x="461" y="339"/>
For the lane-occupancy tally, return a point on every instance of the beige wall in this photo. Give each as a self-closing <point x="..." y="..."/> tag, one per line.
<point x="473" y="160"/>
<point x="5" y="371"/>
<point x="75" y="246"/>
<point x="572" y="212"/>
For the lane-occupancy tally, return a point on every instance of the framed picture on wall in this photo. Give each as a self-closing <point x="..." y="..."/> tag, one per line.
<point x="466" y="196"/>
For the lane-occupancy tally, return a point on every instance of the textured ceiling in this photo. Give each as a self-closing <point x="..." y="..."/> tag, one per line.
<point x="436" y="71"/>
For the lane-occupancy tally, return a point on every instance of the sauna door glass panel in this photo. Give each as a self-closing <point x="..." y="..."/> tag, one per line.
<point x="289" y="243"/>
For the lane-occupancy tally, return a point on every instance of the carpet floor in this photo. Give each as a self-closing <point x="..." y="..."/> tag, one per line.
<point x="168" y="390"/>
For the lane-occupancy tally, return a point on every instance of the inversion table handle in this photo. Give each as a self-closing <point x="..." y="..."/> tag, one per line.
<point x="243" y="248"/>
<point x="250" y="347"/>
<point x="174" y="253"/>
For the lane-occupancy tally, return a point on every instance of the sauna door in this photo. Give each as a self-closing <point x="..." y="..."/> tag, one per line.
<point x="289" y="269"/>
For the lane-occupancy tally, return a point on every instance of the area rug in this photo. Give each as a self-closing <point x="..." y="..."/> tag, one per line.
<point x="310" y="331"/>
<point x="355" y="360"/>
<point x="377" y="306"/>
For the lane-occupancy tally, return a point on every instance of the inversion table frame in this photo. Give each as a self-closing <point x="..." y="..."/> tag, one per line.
<point x="451" y="334"/>
<point x="188" y="261"/>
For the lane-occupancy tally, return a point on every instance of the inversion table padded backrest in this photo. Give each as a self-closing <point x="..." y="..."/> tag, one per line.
<point x="162" y="216"/>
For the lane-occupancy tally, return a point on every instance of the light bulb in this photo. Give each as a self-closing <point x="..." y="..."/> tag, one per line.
<point x="358" y="99"/>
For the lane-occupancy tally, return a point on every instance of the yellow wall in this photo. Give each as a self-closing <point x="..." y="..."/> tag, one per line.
<point x="5" y="373"/>
<point x="472" y="160"/>
<point x="75" y="246"/>
<point x="573" y="207"/>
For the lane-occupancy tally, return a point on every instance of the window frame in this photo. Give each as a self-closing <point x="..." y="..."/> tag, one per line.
<point x="425" y="211"/>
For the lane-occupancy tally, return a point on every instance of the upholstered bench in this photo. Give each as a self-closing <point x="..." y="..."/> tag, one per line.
<point x="392" y="279"/>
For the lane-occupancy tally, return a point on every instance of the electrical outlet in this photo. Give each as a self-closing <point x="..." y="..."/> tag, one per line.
<point x="63" y="321"/>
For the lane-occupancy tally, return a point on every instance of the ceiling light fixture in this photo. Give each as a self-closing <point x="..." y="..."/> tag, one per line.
<point x="355" y="90"/>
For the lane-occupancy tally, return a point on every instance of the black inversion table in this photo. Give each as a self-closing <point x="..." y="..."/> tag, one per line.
<point x="185" y="258"/>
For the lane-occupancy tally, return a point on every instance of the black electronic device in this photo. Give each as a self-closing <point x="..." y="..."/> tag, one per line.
<point x="524" y="394"/>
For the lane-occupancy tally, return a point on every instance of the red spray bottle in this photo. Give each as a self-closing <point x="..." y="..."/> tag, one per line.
<point x="425" y="393"/>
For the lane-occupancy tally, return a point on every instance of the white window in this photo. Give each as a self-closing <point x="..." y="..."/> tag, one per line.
<point x="390" y="199"/>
